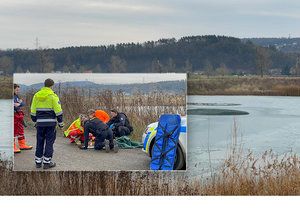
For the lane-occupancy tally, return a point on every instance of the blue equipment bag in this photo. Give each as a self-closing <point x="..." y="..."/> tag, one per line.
<point x="166" y="141"/>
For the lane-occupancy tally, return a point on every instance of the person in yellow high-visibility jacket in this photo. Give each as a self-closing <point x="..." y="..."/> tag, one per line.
<point x="46" y="111"/>
<point x="75" y="130"/>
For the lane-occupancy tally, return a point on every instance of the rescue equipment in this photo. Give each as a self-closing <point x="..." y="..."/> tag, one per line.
<point x="166" y="142"/>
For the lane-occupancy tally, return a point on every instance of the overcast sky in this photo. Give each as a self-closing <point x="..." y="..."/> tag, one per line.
<point x="33" y="78"/>
<point x="61" y="23"/>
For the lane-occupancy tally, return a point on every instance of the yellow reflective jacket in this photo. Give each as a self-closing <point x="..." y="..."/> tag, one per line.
<point x="76" y="125"/>
<point x="46" y="108"/>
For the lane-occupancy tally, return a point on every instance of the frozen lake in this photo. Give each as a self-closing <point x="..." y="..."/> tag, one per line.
<point x="6" y="139"/>
<point x="272" y="123"/>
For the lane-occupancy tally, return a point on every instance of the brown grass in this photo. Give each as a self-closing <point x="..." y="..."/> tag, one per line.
<point x="240" y="174"/>
<point x="91" y="183"/>
<point x="275" y="176"/>
<point x="141" y="109"/>
<point x="6" y="87"/>
<point x="249" y="85"/>
<point x="249" y="174"/>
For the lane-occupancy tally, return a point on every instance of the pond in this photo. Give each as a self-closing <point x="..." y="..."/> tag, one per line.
<point x="6" y="139"/>
<point x="271" y="123"/>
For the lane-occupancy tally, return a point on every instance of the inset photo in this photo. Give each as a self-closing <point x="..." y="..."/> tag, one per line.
<point x="99" y="122"/>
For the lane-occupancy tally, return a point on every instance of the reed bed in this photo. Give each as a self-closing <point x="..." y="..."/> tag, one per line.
<point x="141" y="109"/>
<point x="248" y="85"/>
<point x="240" y="174"/>
<point x="6" y="87"/>
<point x="246" y="173"/>
<point x="267" y="174"/>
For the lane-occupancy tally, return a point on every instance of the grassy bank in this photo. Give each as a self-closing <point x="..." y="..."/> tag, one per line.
<point x="264" y="175"/>
<point x="141" y="109"/>
<point x="267" y="174"/>
<point x="241" y="173"/>
<point x="6" y="87"/>
<point x="248" y="85"/>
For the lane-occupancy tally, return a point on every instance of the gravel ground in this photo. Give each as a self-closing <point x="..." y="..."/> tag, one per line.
<point x="69" y="157"/>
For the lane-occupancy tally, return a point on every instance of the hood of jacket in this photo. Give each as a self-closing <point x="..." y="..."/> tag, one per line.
<point x="44" y="93"/>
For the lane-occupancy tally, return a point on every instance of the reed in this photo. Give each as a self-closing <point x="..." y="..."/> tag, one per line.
<point x="248" y="85"/>
<point x="6" y="87"/>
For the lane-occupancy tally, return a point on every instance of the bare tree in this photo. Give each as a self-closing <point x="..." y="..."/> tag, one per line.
<point x="263" y="61"/>
<point x="296" y="69"/>
<point x="222" y="70"/>
<point x="156" y="66"/>
<point x="171" y="66"/>
<point x="6" y="64"/>
<point x="117" y="65"/>
<point x="208" y="69"/>
<point x="188" y="67"/>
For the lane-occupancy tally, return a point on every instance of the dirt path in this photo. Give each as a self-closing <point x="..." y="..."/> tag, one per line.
<point x="69" y="157"/>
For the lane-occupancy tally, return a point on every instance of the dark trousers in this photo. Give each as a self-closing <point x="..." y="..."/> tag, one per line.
<point x="45" y="139"/>
<point x="99" y="140"/>
<point x="121" y="131"/>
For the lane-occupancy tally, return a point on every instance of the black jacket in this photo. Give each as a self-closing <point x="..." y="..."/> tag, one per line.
<point x="120" y="120"/>
<point x="95" y="127"/>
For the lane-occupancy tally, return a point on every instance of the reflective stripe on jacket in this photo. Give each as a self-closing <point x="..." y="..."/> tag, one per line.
<point x="46" y="108"/>
<point x="76" y="125"/>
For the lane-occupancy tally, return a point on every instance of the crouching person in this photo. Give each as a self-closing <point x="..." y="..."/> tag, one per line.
<point x="75" y="131"/>
<point x="103" y="134"/>
<point x="120" y="124"/>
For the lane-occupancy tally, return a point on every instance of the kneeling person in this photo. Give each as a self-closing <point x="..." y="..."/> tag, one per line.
<point x="119" y="124"/>
<point x="103" y="134"/>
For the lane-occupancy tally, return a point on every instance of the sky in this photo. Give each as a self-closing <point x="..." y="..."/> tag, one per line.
<point x="63" y="23"/>
<point x="34" y="78"/>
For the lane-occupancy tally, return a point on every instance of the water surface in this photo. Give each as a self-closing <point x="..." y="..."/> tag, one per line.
<point x="6" y="135"/>
<point x="272" y="123"/>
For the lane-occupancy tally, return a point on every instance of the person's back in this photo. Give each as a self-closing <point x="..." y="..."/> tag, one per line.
<point x="103" y="134"/>
<point x="46" y="112"/>
<point x="95" y="125"/>
<point x="46" y="108"/>
<point x="102" y="115"/>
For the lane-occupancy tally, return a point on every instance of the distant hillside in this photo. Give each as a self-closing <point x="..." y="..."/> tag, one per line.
<point x="168" y="86"/>
<point x="288" y="45"/>
<point x="211" y="54"/>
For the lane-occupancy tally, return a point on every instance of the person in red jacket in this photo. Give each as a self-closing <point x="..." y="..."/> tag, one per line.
<point x="19" y="122"/>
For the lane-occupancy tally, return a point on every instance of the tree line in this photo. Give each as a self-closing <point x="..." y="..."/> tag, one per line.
<point x="204" y="54"/>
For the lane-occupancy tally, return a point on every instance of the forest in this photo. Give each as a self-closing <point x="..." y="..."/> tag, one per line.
<point x="210" y="55"/>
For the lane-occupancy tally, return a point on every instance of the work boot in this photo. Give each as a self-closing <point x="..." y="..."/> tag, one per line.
<point x="106" y="145"/>
<point x="16" y="149"/>
<point x="38" y="162"/>
<point x="38" y="165"/>
<point x="23" y="145"/>
<point x="116" y="146"/>
<point x="49" y="165"/>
